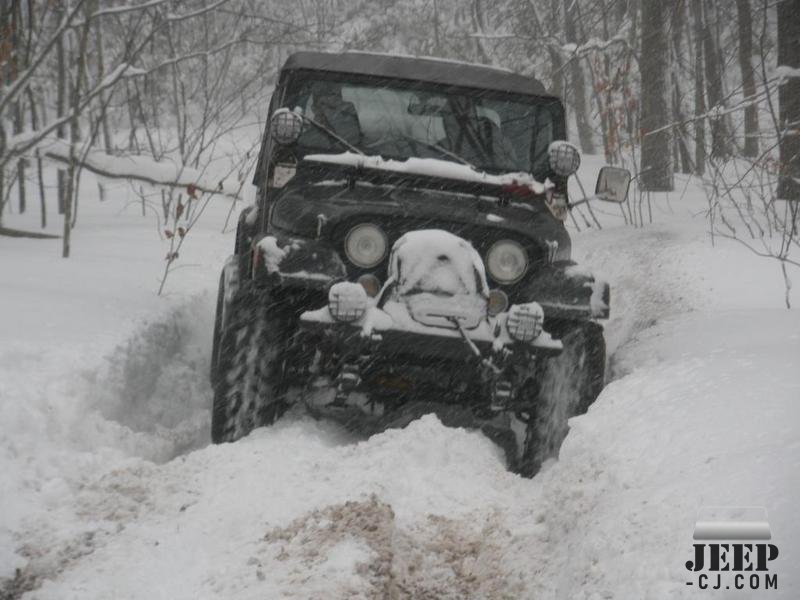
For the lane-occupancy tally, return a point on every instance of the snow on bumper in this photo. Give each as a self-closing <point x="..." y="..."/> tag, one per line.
<point x="570" y="293"/>
<point x="302" y="261"/>
<point x="394" y="322"/>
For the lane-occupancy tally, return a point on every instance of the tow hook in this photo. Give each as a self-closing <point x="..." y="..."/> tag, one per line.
<point x="492" y="368"/>
<point x="487" y="363"/>
<point x="470" y="344"/>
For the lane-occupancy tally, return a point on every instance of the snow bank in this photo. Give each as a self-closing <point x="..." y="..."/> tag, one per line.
<point x="701" y="410"/>
<point x="96" y="371"/>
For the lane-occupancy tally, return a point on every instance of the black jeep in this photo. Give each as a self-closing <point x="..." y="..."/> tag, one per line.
<point x="407" y="255"/>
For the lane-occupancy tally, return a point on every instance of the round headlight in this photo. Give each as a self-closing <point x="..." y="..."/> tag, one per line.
<point x="365" y="245"/>
<point x="506" y="261"/>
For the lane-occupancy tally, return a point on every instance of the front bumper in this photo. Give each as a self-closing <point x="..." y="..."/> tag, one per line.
<point x="385" y="360"/>
<point x="391" y="331"/>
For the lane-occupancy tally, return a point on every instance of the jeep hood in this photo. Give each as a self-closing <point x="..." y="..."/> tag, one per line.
<point x="328" y="208"/>
<point x="431" y="167"/>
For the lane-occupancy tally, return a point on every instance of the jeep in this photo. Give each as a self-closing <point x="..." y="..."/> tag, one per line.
<point x="406" y="254"/>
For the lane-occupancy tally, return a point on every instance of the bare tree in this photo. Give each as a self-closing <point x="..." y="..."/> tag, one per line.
<point x="789" y="99"/>
<point x="699" y="88"/>
<point x="744" y="204"/>
<point x="745" y="21"/>
<point x="578" y="92"/>
<point x="656" y="164"/>
<point x="720" y="137"/>
<point x="677" y="25"/>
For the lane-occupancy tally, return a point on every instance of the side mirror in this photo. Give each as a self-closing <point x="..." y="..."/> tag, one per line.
<point x="285" y="126"/>
<point x="612" y="184"/>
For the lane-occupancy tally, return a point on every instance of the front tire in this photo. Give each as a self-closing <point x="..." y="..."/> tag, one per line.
<point x="248" y="387"/>
<point x="570" y="383"/>
<point x="215" y="340"/>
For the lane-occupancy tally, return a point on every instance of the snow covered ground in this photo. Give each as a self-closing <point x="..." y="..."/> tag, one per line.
<point x="109" y="488"/>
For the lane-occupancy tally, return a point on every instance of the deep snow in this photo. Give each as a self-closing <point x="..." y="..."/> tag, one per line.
<point x="110" y="490"/>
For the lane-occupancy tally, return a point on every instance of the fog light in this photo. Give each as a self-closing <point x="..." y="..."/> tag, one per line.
<point x="564" y="158"/>
<point x="525" y="321"/>
<point x="498" y="302"/>
<point x="347" y="301"/>
<point x="285" y="126"/>
<point x="371" y="284"/>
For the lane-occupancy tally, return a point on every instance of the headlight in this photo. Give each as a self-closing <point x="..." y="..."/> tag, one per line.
<point x="347" y="301"/>
<point x="506" y="261"/>
<point x="365" y="245"/>
<point x="524" y="321"/>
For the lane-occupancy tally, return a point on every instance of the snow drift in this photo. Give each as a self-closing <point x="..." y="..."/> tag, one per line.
<point x="110" y="491"/>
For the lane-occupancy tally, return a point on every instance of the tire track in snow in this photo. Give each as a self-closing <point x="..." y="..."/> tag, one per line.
<point x="648" y="282"/>
<point x="504" y="545"/>
<point x="148" y="401"/>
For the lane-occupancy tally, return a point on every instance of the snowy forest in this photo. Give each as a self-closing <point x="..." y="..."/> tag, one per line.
<point x="130" y="137"/>
<point x="687" y="86"/>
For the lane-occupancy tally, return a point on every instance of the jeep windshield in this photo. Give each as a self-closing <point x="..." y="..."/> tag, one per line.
<point x="493" y="131"/>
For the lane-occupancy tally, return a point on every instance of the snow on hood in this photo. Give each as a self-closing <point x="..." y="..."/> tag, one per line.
<point x="433" y="260"/>
<point x="433" y="167"/>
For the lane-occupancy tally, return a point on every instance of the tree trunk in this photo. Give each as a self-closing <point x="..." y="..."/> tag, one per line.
<point x="101" y="69"/>
<point x="578" y="84"/>
<point x="102" y="100"/>
<point x="74" y="126"/>
<point x="16" y="58"/>
<point x="437" y="47"/>
<point x="656" y="163"/>
<point x="720" y="140"/>
<point x="699" y="90"/>
<point x="556" y="62"/>
<point x="61" y="105"/>
<point x="4" y="51"/>
<point x="479" y="26"/>
<point x="789" y="99"/>
<point x="745" y="19"/>
<point x="681" y="152"/>
<point x="39" y="167"/>
<point x="595" y="77"/>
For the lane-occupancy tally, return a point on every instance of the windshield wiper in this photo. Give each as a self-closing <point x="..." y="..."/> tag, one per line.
<point x="333" y="135"/>
<point x="442" y="150"/>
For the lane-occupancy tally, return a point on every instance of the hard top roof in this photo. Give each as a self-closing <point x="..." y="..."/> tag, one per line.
<point x="434" y="70"/>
